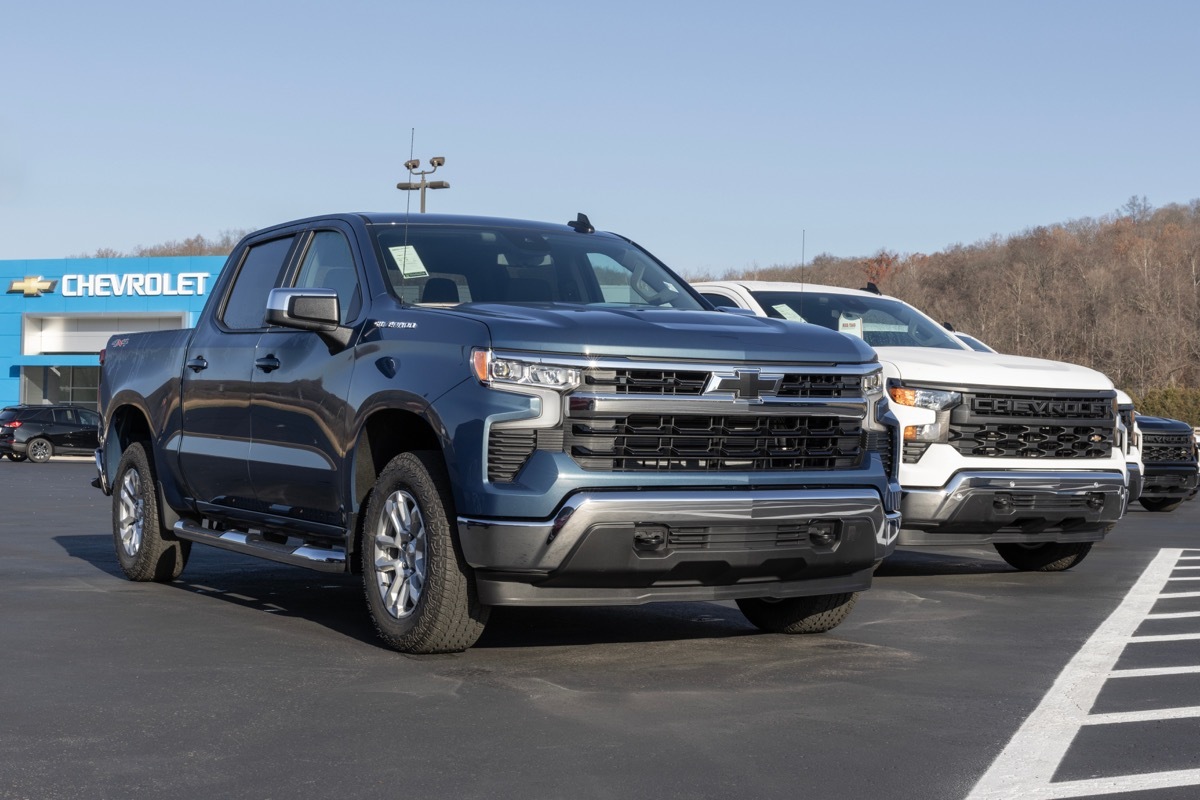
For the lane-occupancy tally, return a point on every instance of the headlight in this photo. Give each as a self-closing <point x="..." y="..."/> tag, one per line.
<point x="491" y="369"/>
<point x="933" y="399"/>
<point x="936" y="400"/>
<point x="872" y="384"/>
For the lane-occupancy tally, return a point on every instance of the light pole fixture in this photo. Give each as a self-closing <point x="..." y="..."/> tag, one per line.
<point x="413" y="167"/>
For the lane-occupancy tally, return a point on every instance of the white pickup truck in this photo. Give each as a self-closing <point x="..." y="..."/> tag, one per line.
<point x="1022" y="453"/>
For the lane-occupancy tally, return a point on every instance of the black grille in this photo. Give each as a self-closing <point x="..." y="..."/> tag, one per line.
<point x="881" y="442"/>
<point x="691" y="383"/>
<point x="750" y="537"/>
<point x="1166" y="448"/>
<point x="646" y="381"/>
<point x="801" y="385"/>
<point x="691" y="443"/>
<point x="507" y="452"/>
<point x="1039" y="408"/>
<point x="913" y="451"/>
<point x="994" y="425"/>
<point x="1032" y="441"/>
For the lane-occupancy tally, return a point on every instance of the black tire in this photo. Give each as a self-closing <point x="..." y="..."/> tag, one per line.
<point x="1161" y="503"/>
<point x="799" y="614"/>
<point x="39" y="450"/>
<point x="145" y="551"/>
<point x="15" y="456"/>
<point x="1044" y="557"/>
<point x="420" y="591"/>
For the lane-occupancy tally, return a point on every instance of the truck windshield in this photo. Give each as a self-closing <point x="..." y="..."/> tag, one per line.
<point x="447" y="265"/>
<point x="879" y="321"/>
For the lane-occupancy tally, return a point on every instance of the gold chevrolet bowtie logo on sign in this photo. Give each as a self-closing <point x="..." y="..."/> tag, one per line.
<point x="32" y="287"/>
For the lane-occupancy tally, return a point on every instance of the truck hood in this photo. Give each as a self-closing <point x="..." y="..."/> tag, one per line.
<point x="969" y="368"/>
<point x="1162" y="425"/>
<point x="661" y="333"/>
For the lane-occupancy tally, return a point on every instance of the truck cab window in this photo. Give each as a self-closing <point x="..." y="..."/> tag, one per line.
<point x="259" y="274"/>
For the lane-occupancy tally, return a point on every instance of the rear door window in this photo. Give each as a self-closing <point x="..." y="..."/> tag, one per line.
<point x="260" y="272"/>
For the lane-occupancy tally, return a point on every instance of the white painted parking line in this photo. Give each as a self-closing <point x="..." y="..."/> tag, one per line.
<point x="1153" y="715"/>
<point x="1153" y="672"/>
<point x="1025" y="769"/>
<point x="1165" y="637"/>
<point x="1175" y="615"/>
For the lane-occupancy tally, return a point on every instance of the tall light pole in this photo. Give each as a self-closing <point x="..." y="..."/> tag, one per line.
<point x="412" y="167"/>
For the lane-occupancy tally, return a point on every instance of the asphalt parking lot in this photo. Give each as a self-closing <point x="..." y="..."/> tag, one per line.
<point x="954" y="677"/>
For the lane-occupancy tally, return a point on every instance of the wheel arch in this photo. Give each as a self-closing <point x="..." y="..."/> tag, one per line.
<point x="129" y="423"/>
<point x="385" y="434"/>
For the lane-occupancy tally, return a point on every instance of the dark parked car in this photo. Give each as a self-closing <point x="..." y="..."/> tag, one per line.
<point x="39" y="432"/>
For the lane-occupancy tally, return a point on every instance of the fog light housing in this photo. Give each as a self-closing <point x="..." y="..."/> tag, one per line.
<point x="823" y="534"/>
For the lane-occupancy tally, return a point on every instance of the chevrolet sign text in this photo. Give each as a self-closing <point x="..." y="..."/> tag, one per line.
<point x="151" y="284"/>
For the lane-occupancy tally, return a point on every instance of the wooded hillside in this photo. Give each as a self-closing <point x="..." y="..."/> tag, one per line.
<point x="1120" y="294"/>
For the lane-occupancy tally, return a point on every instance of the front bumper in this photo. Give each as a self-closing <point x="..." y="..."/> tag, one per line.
<point x="980" y="507"/>
<point x="1181" y="481"/>
<point x="638" y="547"/>
<point x="1137" y="481"/>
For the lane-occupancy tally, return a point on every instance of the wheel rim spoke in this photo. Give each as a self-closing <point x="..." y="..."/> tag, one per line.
<point x="132" y="513"/>
<point x="399" y="556"/>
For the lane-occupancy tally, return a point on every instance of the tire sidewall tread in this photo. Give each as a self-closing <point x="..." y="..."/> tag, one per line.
<point x="161" y="557"/>
<point x="1047" y="557"/>
<point x="448" y="616"/>
<point x="799" y="615"/>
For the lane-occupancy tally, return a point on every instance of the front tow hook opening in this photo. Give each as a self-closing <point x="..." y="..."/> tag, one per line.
<point x="650" y="538"/>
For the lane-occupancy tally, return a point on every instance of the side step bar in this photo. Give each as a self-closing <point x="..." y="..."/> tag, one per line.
<point x="253" y="544"/>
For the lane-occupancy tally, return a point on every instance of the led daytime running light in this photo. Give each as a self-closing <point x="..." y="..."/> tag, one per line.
<point x="490" y="369"/>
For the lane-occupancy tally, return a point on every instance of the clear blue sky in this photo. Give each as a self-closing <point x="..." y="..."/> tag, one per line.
<point x="712" y="133"/>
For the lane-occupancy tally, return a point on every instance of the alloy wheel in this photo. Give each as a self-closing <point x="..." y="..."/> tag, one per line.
<point x="400" y="545"/>
<point x="132" y="514"/>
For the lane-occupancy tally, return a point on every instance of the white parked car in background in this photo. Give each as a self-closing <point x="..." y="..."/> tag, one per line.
<point x="1023" y="453"/>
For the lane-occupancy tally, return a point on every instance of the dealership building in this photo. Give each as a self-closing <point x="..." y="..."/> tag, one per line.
<point x="57" y="315"/>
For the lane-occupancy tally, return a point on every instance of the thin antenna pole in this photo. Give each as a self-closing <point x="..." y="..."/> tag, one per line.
<point x="412" y="141"/>
<point x="803" y="241"/>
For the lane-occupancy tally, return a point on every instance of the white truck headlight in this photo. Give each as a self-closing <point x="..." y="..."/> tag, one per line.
<point x="940" y="401"/>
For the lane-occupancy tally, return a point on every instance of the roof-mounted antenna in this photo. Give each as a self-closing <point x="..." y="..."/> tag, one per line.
<point x="582" y="224"/>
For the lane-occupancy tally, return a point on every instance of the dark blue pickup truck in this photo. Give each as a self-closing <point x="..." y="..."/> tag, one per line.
<point x="1169" y="456"/>
<point x="473" y="412"/>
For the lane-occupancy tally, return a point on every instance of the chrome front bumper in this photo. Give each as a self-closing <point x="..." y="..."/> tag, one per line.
<point x="636" y="547"/>
<point x="977" y="507"/>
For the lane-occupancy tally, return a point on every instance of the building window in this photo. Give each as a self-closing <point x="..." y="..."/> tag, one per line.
<point x="71" y="385"/>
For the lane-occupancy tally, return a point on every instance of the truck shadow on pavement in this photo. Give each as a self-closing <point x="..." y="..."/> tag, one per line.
<point x="913" y="563"/>
<point x="336" y="602"/>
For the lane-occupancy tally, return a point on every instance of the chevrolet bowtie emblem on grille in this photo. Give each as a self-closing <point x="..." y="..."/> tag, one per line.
<point x="31" y="286"/>
<point x="746" y="384"/>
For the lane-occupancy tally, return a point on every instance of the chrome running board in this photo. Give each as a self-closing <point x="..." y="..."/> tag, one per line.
<point x="253" y="544"/>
